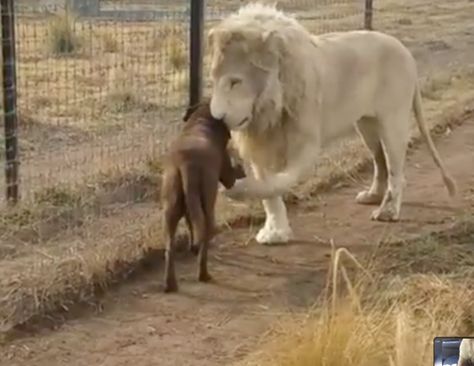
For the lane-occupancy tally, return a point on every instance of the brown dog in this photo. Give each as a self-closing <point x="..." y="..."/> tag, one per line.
<point x="197" y="160"/>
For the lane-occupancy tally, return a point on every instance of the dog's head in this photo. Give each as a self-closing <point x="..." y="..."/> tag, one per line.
<point x="201" y="109"/>
<point x="239" y="171"/>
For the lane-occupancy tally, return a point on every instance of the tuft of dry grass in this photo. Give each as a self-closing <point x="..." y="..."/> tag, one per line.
<point x="62" y="37"/>
<point x="399" y="336"/>
<point x="177" y="52"/>
<point x="109" y="43"/>
<point x="434" y="85"/>
<point x="380" y="320"/>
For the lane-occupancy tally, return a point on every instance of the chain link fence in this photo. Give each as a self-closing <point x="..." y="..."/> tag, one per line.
<point x="102" y="84"/>
<point x="96" y="93"/>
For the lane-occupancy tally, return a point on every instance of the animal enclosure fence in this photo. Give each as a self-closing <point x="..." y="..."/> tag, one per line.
<point x="93" y="88"/>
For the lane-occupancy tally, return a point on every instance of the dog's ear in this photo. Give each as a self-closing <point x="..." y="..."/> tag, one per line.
<point x="189" y="112"/>
<point x="239" y="171"/>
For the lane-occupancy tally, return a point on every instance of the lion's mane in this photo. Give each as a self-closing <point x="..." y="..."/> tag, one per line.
<point x="276" y="112"/>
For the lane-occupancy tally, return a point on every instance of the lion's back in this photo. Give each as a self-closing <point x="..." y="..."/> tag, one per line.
<point x="335" y="77"/>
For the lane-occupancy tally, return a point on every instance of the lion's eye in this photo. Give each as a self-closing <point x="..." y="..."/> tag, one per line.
<point x="234" y="82"/>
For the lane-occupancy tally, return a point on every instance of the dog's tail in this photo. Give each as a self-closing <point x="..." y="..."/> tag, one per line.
<point x="420" y="119"/>
<point x="191" y="180"/>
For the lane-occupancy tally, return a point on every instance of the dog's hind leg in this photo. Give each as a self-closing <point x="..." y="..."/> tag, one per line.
<point x="208" y="196"/>
<point x="172" y="215"/>
<point x="189" y="225"/>
<point x="173" y="211"/>
<point x="192" y="187"/>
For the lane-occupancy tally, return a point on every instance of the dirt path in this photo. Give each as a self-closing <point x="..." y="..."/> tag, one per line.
<point x="218" y="323"/>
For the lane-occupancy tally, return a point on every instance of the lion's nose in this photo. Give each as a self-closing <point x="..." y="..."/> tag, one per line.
<point x="218" y="115"/>
<point x="215" y="112"/>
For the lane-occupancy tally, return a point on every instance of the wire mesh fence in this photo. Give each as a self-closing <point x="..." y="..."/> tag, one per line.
<point x="97" y="93"/>
<point x="102" y="84"/>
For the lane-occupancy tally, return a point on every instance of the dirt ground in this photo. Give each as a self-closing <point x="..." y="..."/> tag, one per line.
<point x="219" y="323"/>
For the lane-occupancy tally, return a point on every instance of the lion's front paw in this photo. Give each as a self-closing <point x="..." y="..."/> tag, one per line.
<point x="271" y="234"/>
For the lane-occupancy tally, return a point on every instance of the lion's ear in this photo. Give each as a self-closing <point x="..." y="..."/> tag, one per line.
<point x="218" y="38"/>
<point x="268" y="57"/>
<point x="267" y="35"/>
<point x="271" y="39"/>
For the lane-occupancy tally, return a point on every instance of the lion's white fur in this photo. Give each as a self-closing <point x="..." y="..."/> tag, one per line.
<point x="316" y="88"/>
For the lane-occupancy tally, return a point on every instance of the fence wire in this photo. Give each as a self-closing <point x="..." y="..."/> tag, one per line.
<point x="96" y="92"/>
<point x="102" y="84"/>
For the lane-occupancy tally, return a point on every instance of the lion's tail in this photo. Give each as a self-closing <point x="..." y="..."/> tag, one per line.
<point x="420" y="120"/>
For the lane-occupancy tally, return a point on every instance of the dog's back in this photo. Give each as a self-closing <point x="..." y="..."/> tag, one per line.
<point x="193" y="167"/>
<point x="196" y="162"/>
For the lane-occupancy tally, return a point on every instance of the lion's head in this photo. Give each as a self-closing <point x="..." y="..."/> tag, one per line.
<point x="259" y="71"/>
<point x="245" y="68"/>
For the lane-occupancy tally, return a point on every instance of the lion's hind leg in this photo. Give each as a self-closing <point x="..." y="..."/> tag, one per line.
<point x="395" y="133"/>
<point x="368" y="129"/>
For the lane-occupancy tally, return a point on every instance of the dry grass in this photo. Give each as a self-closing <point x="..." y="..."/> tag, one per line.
<point x="382" y="319"/>
<point x="75" y="85"/>
<point x="434" y="86"/>
<point x="178" y="54"/>
<point x="62" y="36"/>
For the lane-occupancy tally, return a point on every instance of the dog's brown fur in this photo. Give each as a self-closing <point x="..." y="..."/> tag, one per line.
<point x="197" y="160"/>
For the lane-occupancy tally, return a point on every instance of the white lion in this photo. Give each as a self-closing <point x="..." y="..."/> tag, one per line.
<point x="285" y="93"/>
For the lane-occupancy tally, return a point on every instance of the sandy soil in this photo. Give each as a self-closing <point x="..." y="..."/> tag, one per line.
<point x="219" y="323"/>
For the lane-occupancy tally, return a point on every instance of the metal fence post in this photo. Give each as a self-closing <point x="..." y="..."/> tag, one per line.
<point x="9" y="99"/>
<point x="196" y="36"/>
<point x="368" y="14"/>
